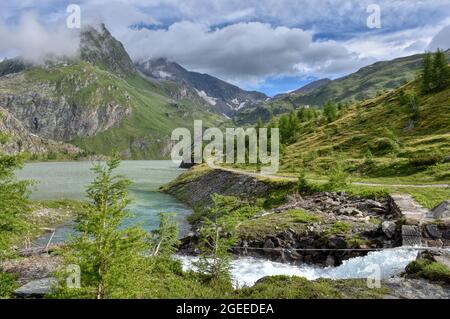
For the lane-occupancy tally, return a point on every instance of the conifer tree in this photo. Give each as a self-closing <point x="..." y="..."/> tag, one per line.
<point x="427" y="73"/>
<point x="165" y="238"/>
<point x="216" y="239"/>
<point x="105" y="250"/>
<point x="14" y="204"/>
<point x="330" y="111"/>
<point x="441" y="71"/>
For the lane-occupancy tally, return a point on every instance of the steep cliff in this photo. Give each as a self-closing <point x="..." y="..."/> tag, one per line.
<point x="64" y="102"/>
<point x="17" y="139"/>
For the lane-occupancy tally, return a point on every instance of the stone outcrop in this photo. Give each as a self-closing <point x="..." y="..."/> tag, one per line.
<point x="47" y="113"/>
<point x="405" y="288"/>
<point x="20" y="139"/>
<point x="36" y="289"/>
<point x="198" y="190"/>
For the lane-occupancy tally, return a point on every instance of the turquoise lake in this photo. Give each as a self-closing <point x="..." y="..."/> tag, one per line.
<point x="68" y="180"/>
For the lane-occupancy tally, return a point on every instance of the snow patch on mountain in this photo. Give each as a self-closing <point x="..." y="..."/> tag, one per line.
<point x="210" y="100"/>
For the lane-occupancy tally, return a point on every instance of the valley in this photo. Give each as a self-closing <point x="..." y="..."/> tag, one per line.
<point x="363" y="181"/>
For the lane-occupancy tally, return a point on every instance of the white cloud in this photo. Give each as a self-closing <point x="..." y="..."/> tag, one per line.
<point x="239" y="51"/>
<point x="34" y="42"/>
<point x="246" y="52"/>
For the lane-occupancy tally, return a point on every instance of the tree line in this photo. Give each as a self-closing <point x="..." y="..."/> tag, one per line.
<point x="435" y="73"/>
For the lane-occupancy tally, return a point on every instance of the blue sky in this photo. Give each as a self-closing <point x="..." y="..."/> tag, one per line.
<point x="268" y="45"/>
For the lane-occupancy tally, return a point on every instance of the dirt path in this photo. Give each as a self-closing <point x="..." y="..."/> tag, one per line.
<point x="294" y="179"/>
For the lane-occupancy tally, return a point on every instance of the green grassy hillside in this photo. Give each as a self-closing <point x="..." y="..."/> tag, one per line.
<point x="381" y="138"/>
<point x="366" y="83"/>
<point x="145" y="132"/>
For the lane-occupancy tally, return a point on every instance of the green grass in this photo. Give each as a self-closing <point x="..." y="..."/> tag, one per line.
<point x="8" y="283"/>
<point x="284" y="287"/>
<point x="360" y="126"/>
<point x="339" y="228"/>
<point x="427" y="269"/>
<point x="275" y="224"/>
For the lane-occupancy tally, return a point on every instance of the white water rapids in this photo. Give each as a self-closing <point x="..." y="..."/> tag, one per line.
<point x="247" y="271"/>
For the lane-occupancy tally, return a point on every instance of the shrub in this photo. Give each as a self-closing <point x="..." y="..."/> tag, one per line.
<point x="304" y="186"/>
<point x="412" y="101"/>
<point x="338" y="178"/>
<point x="426" y="158"/>
<point x="383" y="145"/>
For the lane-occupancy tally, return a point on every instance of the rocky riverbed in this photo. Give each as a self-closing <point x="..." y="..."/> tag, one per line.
<point x="324" y="228"/>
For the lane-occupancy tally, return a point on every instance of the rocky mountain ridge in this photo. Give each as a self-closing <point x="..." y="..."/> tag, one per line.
<point x="220" y="96"/>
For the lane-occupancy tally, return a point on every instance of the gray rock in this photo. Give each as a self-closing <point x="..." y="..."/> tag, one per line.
<point x="388" y="229"/>
<point x="416" y="289"/>
<point x="374" y="204"/>
<point x="433" y="231"/>
<point x="442" y="210"/>
<point x="350" y="211"/>
<point x="268" y="245"/>
<point x="411" y="235"/>
<point x="36" y="289"/>
<point x="330" y="262"/>
<point x="337" y="242"/>
<point x="447" y="159"/>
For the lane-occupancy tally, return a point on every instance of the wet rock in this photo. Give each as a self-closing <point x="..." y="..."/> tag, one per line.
<point x="268" y="245"/>
<point x="434" y="243"/>
<point x="446" y="234"/>
<point x="433" y="231"/>
<point x="337" y="242"/>
<point x="389" y="228"/>
<point x="330" y="262"/>
<point x="411" y="235"/>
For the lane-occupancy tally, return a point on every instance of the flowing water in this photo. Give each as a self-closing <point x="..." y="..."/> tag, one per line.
<point x="386" y="263"/>
<point x="68" y="180"/>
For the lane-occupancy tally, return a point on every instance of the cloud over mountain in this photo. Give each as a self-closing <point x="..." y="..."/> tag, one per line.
<point x="35" y="42"/>
<point x="241" y="50"/>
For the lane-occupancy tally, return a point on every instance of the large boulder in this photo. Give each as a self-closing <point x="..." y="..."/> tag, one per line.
<point x="442" y="210"/>
<point x="389" y="228"/>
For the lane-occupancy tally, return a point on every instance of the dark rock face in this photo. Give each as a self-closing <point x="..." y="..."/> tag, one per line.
<point x="186" y="165"/>
<point x="100" y="48"/>
<point x="433" y="231"/>
<point x="11" y="66"/>
<point x="48" y="114"/>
